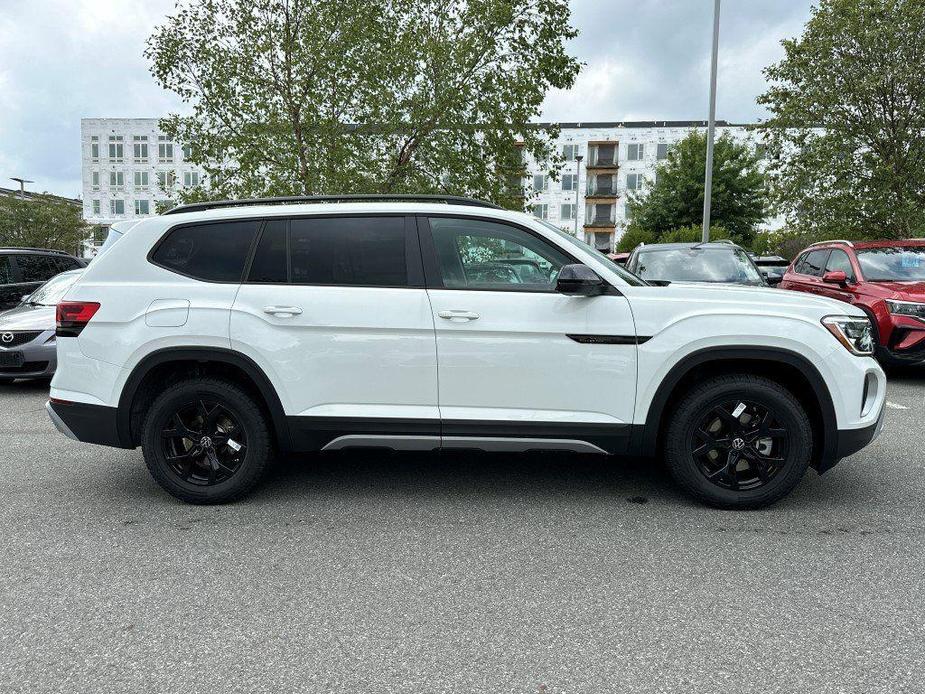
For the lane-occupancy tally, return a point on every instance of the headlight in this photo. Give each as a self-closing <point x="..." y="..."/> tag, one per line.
<point x="856" y="334"/>
<point x="906" y="308"/>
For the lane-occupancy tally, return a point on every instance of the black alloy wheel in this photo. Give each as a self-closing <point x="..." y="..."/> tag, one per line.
<point x="203" y="443"/>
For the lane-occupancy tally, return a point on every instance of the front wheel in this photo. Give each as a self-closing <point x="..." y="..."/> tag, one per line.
<point x="739" y="441"/>
<point x="206" y="441"/>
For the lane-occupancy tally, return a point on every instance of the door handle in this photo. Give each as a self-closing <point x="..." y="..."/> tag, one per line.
<point x="458" y="316"/>
<point x="282" y="311"/>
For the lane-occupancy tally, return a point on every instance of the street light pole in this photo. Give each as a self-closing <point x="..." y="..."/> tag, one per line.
<point x="708" y="175"/>
<point x="577" y="189"/>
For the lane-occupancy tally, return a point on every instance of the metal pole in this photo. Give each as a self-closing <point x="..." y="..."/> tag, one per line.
<point x="577" y="189"/>
<point x="708" y="174"/>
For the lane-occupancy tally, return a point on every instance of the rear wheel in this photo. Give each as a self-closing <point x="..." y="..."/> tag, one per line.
<point x="206" y="441"/>
<point x="739" y="441"/>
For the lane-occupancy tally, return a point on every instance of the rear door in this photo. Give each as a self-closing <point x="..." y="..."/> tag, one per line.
<point x="516" y="359"/>
<point x="10" y="289"/>
<point x="335" y="312"/>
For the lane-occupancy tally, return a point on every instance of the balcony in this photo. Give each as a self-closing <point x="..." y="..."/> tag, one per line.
<point x="600" y="216"/>
<point x="602" y="155"/>
<point x="601" y="187"/>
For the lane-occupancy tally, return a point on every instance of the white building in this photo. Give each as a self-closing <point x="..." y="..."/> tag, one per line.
<point x="129" y="165"/>
<point x="590" y="197"/>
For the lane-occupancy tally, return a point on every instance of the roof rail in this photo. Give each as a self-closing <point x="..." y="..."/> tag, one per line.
<point x="729" y="241"/>
<point x="822" y="243"/>
<point x="28" y="248"/>
<point x="297" y="199"/>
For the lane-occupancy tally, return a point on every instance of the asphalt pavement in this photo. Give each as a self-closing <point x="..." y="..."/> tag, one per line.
<point x="457" y="573"/>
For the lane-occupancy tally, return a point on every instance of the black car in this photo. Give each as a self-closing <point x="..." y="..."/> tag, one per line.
<point x="23" y="270"/>
<point x="772" y="267"/>
<point x="715" y="262"/>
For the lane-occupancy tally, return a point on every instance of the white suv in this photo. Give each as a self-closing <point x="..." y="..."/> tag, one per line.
<point x="220" y="334"/>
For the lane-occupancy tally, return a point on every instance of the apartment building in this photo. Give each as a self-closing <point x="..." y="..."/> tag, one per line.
<point x="129" y="165"/>
<point x="604" y="163"/>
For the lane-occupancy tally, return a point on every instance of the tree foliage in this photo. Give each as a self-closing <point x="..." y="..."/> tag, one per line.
<point x="41" y="221"/>
<point x="675" y="199"/>
<point x="847" y="128"/>
<point x="352" y="96"/>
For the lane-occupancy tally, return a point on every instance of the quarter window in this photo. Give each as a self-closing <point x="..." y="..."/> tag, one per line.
<point x="211" y="252"/>
<point x="270" y="262"/>
<point x="478" y="254"/>
<point x="355" y="251"/>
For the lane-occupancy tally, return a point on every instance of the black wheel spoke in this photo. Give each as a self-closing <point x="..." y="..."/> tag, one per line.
<point x="203" y="457"/>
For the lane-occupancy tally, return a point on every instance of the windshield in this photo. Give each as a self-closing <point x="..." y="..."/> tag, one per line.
<point x="893" y="264"/>
<point x="621" y="272"/>
<point x="726" y="265"/>
<point x="50" y="293"/>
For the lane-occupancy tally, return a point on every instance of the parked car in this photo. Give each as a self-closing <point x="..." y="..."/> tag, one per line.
<point x="714" y="262"/>
<point x="885" y="279"/>
<point x="22" y="270"/>
<point x="772" y="267"/>
<point x="27" y="332"/>
<point x="218" y="333"/>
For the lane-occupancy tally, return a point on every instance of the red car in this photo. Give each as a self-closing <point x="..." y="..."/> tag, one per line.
<point x="884" y="278"/>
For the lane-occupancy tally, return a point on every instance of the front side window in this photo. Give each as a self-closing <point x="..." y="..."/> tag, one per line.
<point x="893" y="264"/>
<point x="479" y="254"/>
<point x="353" y="251"/>
<point x="839" y="261"/>
<point x="212" y="252"/>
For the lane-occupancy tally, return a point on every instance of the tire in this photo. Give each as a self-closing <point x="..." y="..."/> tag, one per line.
<point x="738" y="478"/>
<point x="238" y="441"/>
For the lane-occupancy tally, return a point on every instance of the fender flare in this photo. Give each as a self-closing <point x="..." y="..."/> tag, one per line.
<point x="202" y="355"/>
<point x="827" y="452"/>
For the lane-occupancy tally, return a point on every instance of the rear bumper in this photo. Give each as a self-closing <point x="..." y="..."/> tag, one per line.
<point x="87" y="423"/>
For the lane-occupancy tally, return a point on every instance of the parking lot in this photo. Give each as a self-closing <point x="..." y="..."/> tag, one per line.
<point x="387" y="573"/>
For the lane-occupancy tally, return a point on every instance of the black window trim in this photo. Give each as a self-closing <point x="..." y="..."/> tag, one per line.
<point x="434" y="277"/>
<point x="412" y="249"/>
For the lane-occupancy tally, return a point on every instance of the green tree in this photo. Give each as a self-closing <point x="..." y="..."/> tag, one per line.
<point x="634" y="236"/>
<point x="693" y="234"/>
<point x="675" y="198"/>
<point x="352" y="96"/>
<point x="846" y="134"/>
<point x="41" y="221"/>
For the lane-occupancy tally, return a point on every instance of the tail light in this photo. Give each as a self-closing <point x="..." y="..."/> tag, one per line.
<point x="72" y="316"/>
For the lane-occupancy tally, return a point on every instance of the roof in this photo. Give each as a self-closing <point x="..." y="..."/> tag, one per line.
<point x="28" y="195"/>
<point x="887" y="244"/>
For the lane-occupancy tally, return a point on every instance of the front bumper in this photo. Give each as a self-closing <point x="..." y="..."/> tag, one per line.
<point x="40" y="358"/>
<point x="88" y="423"/>
<point x="850" y="441"/>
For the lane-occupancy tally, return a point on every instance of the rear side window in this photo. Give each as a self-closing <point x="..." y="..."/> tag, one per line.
<point x="212" y="252"/>
<point x="6" y="270"/>
<point x="36" y="268"/>
<point x="358" y="251"/>
<point x="270" y="259"/>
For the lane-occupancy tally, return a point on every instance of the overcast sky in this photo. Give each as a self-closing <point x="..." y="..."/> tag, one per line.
<point x="63" y="60"/>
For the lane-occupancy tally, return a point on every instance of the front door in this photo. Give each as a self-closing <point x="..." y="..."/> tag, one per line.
<point x="335" y="312"/>
<point x="516" y="359"/>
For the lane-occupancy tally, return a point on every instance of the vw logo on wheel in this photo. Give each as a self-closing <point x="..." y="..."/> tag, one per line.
<point x="6" y="337"/>
<point x="738" y="444"/>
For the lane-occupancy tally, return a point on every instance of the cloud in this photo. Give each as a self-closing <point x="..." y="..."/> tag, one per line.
<point x="62" y="60"/>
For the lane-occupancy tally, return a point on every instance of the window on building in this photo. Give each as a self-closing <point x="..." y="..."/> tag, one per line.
<point x="213" y="252"/>
<point x="140" y="148"/>
<point x="569" y="152"/>
<point x="567" y="211"/>
<point x="569" y="181"/>
<point x="96" y="207"/>
<point x="187" y="151"/>
<point x="141" y="179"/>
<point x="117" y="206"/>
<point x="164" y="149"/>
<point x="142" y="207"/>
<point x="190" y="179"/>
<point x="355" y="251"/>
<point x="166" y="179"/>
<point x="634" y="181"/>
<point x="600" y="214"/>
<point x="95" y="148"/>
<point x="95" y="180"/>
<point x="541" y="211"/>
<point x="661" y="151"/>
<point x="635" y="152"/>
<point x="116" y="148"/>
<point x="603" y="155"/>
<point x="761" y="151"/>
<point x="116" y="179"/>
<point x="540" y="182"/>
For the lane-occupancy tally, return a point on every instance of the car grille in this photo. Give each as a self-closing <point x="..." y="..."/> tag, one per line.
<point x="18" y="338"/>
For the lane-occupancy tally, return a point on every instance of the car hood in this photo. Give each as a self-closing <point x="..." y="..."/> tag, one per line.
<point x="755" y="299"/>
<point x="904" y="291"/>
<point x="27" y="317"/>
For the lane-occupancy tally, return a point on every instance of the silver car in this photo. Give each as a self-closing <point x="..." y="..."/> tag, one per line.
<point x="27" y="332"/>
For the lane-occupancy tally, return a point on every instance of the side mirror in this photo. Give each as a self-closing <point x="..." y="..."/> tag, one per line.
<point x="579" y="280"/>
<point x="835" y="277"/>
